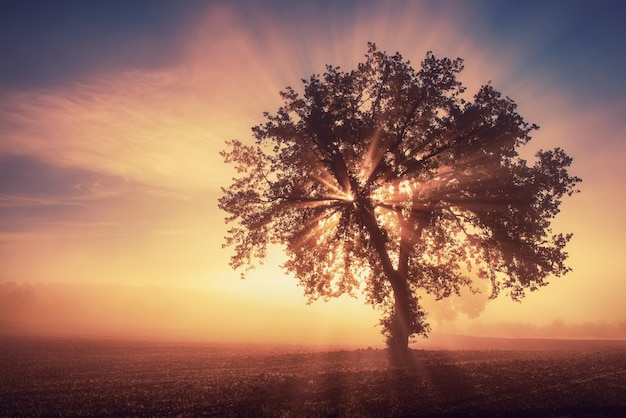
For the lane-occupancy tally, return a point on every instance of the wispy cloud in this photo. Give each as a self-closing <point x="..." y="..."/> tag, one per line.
<point x="7" y="201"/>
<point x="164" y="126"/>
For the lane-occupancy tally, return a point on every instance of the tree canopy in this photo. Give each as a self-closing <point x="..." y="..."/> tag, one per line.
<point x="390" y="180"/>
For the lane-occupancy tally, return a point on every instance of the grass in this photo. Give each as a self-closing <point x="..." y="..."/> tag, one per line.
<point x="73" y="377"/>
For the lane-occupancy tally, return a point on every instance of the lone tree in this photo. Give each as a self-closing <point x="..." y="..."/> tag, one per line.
<point x="385" y="178"/>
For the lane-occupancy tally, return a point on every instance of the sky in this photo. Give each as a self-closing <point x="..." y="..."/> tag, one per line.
<point x="112" y="115"/>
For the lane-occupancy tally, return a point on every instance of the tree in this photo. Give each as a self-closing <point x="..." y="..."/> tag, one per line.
<point x="386" y="178"/>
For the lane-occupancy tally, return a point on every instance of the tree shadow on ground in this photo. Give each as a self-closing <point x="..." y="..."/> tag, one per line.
<point x="425" y="383"/>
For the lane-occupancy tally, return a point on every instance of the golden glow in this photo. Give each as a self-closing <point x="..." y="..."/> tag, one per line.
<point x="148" y="217"/>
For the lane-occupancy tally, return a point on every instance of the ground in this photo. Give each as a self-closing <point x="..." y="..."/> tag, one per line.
<point x="89" y="377"/>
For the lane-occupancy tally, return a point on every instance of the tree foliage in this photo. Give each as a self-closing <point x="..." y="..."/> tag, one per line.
<point x="387" y="179"/>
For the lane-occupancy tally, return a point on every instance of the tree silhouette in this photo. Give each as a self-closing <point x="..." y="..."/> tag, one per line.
<point x="386" y="178"/>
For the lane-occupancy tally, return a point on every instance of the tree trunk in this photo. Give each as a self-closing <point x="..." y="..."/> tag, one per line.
<point x="400" y="327"/>
<point x="403" y="314"/>
<point x="401" y="321"/>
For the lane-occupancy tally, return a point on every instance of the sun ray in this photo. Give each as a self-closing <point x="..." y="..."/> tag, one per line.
<point x="372" y="157"/>
<point x="310" y="231"/>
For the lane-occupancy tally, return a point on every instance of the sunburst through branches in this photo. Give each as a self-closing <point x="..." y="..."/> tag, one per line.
<point x="386" y="178"/>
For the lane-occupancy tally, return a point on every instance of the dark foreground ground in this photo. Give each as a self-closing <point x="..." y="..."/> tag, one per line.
<point x="65" y="377"/>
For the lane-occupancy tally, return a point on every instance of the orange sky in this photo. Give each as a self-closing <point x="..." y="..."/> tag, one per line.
<point x="116" y="176"/>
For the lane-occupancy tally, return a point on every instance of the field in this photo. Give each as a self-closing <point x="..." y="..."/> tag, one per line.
<point x="81" y="377"/>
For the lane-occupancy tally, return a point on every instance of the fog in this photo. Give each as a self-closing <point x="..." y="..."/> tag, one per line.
<point x="173" y="313"/>
<point x="170" y="313"/>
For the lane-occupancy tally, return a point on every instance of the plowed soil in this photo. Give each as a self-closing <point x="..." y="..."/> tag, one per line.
<point x="78" y="377"/>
